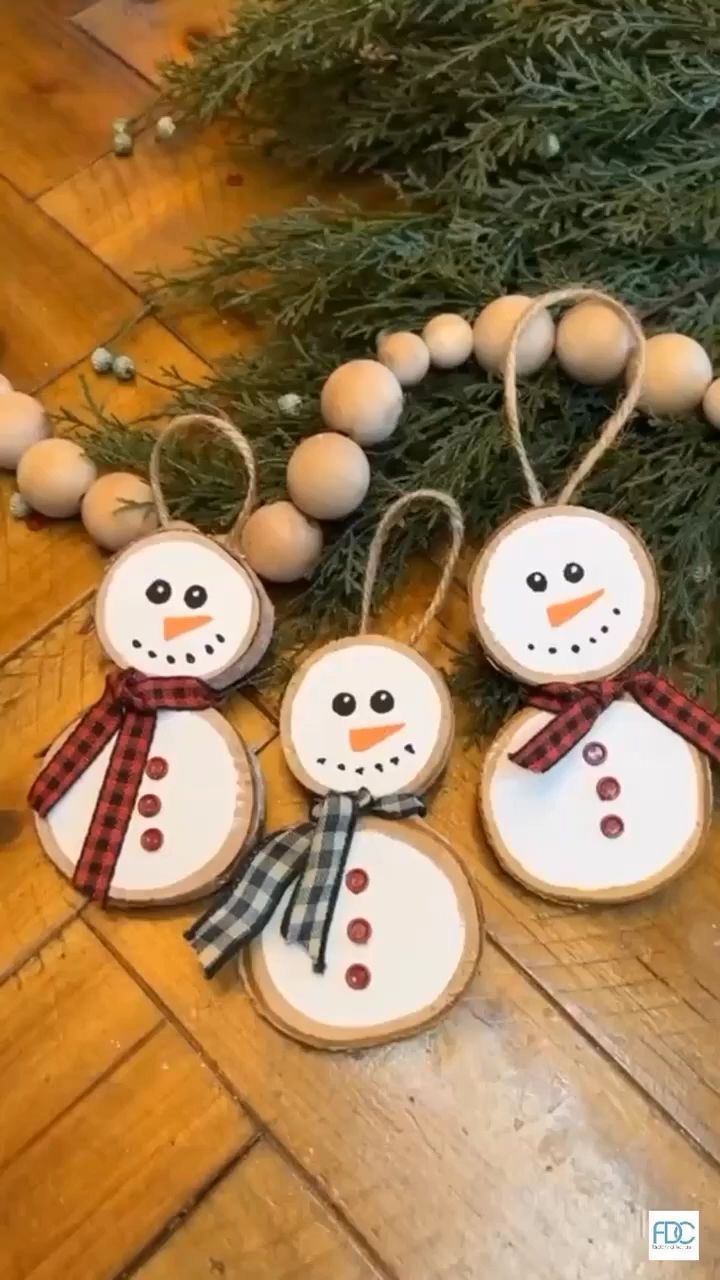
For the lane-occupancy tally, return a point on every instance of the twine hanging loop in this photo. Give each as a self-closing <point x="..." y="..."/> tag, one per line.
<point x="394" y="516"/>
<point x="614" y="424"/>
<point x="224" y="427"/>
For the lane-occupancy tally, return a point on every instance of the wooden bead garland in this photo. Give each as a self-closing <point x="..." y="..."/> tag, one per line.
<point x="363" y="399"/>
<point x="118" y="508"/>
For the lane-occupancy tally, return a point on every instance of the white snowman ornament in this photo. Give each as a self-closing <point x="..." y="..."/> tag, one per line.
<point x="599" y="790"/>
<point x="151" y="797"/>
<point x="371" y="931"/>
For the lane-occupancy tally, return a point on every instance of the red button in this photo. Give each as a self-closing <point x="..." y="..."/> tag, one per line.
<point x="358" y="977"/>
<point x="149" y="806"/>
<point x="152" y="839"/>
<point x="358" y="930"/>
<point x="357" y="880"/>
<point x="608" y="788"/>
<point x="612" y="826"/>
<point x="594" y="753"/>
<point x="156" y="767"/>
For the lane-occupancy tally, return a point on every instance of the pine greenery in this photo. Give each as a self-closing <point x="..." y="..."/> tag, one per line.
<point x="523" y="145"/>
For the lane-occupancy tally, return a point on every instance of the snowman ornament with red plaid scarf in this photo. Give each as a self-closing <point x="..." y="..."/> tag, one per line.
<point x="599" y="790"/>
<point x="151" y="797"/>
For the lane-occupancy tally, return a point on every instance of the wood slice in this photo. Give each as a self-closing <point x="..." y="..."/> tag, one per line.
<point x="563" y="594"/>
<point x="147" y="613"/>
<point x="408" y="893"/>
<point x="367" y="712"/>
<point x="619" y="817"/>
<point x="212" y="793"/>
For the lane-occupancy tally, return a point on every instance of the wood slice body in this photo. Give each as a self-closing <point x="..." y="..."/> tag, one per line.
<point x="424" y="940"/>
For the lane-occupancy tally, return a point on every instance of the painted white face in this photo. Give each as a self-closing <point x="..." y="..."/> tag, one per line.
<point x="176" y="604"/>
<point x="564" y="593"/>
<point x="366" y="713"/>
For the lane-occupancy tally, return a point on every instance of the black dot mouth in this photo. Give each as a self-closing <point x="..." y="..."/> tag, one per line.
<point x="381" y="766"/>
<point x="171" y="658"/>
<point x="576" y="647"/>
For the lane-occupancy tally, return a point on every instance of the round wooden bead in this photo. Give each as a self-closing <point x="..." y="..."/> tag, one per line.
<point x="593" y="343"/>
<point x="5" y="384"/>
<point x="22" y="424"/>
<point x="449" y="339"/>
<point x="363" y="400"/>
<point x="53" y="476"/>
<point x="328" y="476"/>
<point x="711" y="403"/>
<point x="406" y="355"/>
<point x="280" y="543"/>
<point x="493" y="330"/>
<point x="108" y="518"/>
<point x="677" y="374"/>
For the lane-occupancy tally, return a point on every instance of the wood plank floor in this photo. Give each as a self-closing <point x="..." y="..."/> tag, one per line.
<point x="151" y="1124"/>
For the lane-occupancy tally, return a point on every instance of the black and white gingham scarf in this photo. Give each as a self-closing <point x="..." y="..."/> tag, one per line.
<point x="314" y="853"/>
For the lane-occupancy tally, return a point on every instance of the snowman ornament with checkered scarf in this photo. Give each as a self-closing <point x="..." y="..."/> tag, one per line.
<point x="599" y="790"/>
<point x="360" y="925"/>
<point x="151" y="796"/>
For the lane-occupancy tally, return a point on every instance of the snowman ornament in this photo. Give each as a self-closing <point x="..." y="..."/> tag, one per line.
<point x="599" y="790"/>
<point x="151" y="797"/>
<point x="359" y="926"/>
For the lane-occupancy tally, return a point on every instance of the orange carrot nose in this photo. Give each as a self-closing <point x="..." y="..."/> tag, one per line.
<point x="567" y="609"/>
<point x="363" y="739"/>
<point x="173" y="627"/>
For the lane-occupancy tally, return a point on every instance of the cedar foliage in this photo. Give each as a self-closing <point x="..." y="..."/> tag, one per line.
<point x="523" y="144"/>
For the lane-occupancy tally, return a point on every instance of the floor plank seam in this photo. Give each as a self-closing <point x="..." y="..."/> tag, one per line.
<point x="167" y="1231"/>
<point x="85" y="1093"/>
<point x="590" y="1033"/>
<point x="13" y="654"/>
<point x="92" y="39"/>
<point x="263" y="1129"/>
<point x="34" y="948"/>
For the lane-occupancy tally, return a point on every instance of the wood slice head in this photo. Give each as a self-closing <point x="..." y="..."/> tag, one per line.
<point x="179" y="603"/>
<point x="563" y="594"/>
<point x="366" y="712"/>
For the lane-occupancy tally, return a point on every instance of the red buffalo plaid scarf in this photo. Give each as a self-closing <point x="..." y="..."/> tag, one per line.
<point x="576" y="707"/>
<point x="128" y="708"/>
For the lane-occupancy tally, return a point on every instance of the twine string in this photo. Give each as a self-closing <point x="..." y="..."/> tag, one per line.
<point x="614" y="424"/>
<point x="391" y="518"/>
<point x="224" y="427"/>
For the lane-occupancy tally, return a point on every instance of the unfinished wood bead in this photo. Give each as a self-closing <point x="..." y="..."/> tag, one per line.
<point x="677" y="374"/>
<point x="53" y="476"/>
<point x="406" y="355"/>
<point x="711" y="403"/>
<point x="22" y="424"/>
<point x="493" y="330"/>
<point x="449" y="339"/>
<point x="118" y="508"/>
<point x="328" y="476"/>
<point x="593" y="343"/>
<point x="280" y="543"/>
<point x="362" y="399"/>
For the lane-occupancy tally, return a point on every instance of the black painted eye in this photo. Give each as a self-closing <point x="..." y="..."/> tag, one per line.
<point x="158" y="591"/>
<point x="344" y="704"/>
<point x="382" y="702"/>
<point x="537" y="581"/>
<point x="573" y="572"/>
<point x="195" y="597"/>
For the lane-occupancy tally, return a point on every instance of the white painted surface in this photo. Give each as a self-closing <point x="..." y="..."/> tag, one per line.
<point x="517" y="616"/>
<point x="198" y="795"/>
<point x="129" y="615"/>
<point x="317" y="732"/>
<point x="550" y="822"/>
<point x="417" y="941"/>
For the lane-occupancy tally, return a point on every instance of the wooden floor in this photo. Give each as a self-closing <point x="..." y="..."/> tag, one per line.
<point x="150" y="1123"/>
